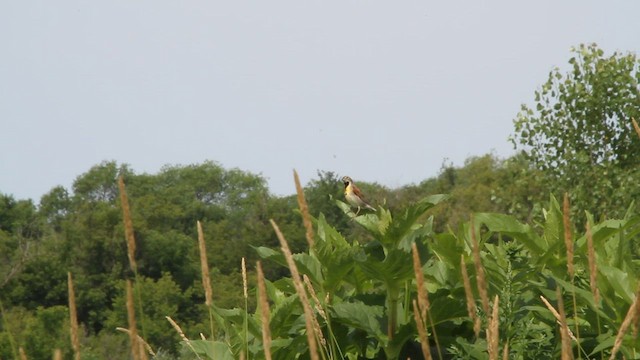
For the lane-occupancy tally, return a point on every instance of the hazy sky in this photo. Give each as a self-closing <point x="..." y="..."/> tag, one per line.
<point x="382" y="91"/>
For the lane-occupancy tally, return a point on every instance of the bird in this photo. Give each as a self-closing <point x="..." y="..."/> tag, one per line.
<point x="354" y="196"/>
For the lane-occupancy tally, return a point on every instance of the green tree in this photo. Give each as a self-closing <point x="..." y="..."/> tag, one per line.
<point x="483" y="183"/>
<point x="160" y="298"/>
<point x="579" y="131"/>
<point x="55" y="206"/>
<point x="231" y="204"/>
<point x="320" y="194"/>
<point x="48" y="332"/>
<point x="20" y="231"/>
<point x="80" y="230"/>
<point x="99" y="183"/>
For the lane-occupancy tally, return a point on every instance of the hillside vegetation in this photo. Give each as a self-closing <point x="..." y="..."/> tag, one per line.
<point x="533" y="256"/>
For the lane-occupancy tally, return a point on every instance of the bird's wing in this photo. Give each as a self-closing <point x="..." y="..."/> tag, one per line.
<point x="357" y="191"/>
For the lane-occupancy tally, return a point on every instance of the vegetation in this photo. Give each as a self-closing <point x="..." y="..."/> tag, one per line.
<point x="493" y="267"/>
<point x="362" y="292"/>
<point x="580" y="132"/>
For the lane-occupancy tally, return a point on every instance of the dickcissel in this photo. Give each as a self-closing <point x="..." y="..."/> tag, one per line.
<point x="354" y="195"/>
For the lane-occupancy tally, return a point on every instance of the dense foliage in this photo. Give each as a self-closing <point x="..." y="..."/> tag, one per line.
<point x="363" y="291"/>
<point x="80" y="230"/>
<point x="497" y="223"/>
<point x="580" y="134"/>
<point x="360" y="267"/>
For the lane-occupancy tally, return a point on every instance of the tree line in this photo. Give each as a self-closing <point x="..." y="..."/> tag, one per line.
<point x="577" y="138"/>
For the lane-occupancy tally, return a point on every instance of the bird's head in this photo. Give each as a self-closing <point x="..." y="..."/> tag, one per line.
<point x="346" y="180"/>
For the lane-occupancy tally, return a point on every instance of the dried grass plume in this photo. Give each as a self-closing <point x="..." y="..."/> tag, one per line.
<point x="632" y="314"/>
<point x="133" y="331"/>
<point x="568" y="240"/>
<point x="264" y="312"/>
<point x="304" y="209"/>
<point x="140" y="341"/>
<point x="492" y="331"/>
<point x="422" y="332"/>
<point x="480" y="274"/>
<point x="471" y="302"/>
<point x="423" y="297"/>
<point x="245" y="285"/>
<point x="295" y="275"/>
<point x="128" y="225"/>
<point x="204" y="267"/>
<point x="73" y="319"/>
<point x="565" y="333"/>
<point x="635" y="126"/>
<point x="593" y="265"/>
<point x="182" y="335"/>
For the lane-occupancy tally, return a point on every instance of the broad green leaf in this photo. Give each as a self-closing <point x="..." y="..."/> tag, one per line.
<point x="553" y="228"/>
<point x="405" y="225"/>
<point x="395" y="268"/>
<point x="306" y="263"/>
<point x="284" y="315"/>
<point x="360" y="316"/>
<point x="235" y="318"/>
<point x="309" y="265"/>
<point x="508" y="225"/>
<point x="447" y="306"/>
<point x="214" y="350"/>
<point x="329" y="235"/>
<point x="447" y="248"/>
<point x="372" y="222"/>
<point x="404" y="333"/>
<point x="541" y="310"/>
<point x="620" y="281"/>
<point x="435" y="199"/>
<point x="334" y="253"/>
<point x="271" y="254"/>
<point x="416" y="234"/>
<point x="606" y="341"/>
<point x="277" y="344"/>
<point x="441" y="273"/>
<point x="585" y="296"/>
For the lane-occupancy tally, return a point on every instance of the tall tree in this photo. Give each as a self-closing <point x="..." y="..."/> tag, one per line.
<point x="321" y="194"/>
<point x="20" y="230"/>
<point x="580" y="133"/>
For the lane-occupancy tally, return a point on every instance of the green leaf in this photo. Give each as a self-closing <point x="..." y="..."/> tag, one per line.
<point x="334" y="253"/>
<point x="447" y="306"/>
<point x="306" y="263"/>
<point x="215" y="350"/>
<point x="395" y="268"/>
<point x="605" y="341"/>
<point x="553" y="228"/>
<point x="377" y="226"/>
<point x="585" y="296"/>
<point x="508" y="225"/>
<point x="284" y="314"/>
<point x="406" y="225"/>
<point x="620" y="281"/>
<point x="310" y="266"/>
<point x="271" y="254"/>
<point x="277" y="344"/>
<point x="447" y="248"/>
<point x="360" y="316"/>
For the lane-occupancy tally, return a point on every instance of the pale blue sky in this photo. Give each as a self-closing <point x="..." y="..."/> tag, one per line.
<point x="382" y="91"/>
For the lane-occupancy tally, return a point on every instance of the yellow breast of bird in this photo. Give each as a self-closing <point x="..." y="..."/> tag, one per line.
<point x="351" y="197"/>
<point x="348" y="190"/>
